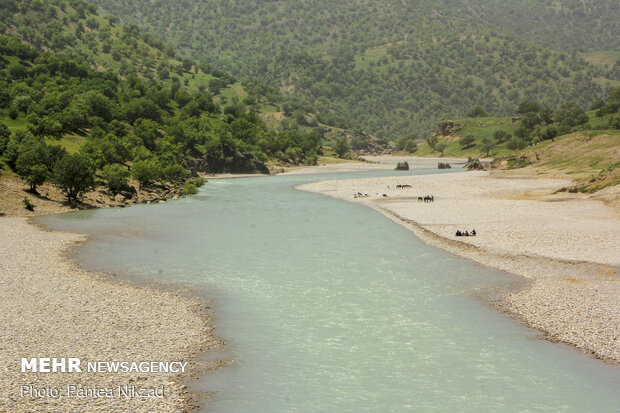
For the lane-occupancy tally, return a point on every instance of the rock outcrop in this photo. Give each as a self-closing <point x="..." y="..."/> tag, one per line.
<point x="447" y="128"/>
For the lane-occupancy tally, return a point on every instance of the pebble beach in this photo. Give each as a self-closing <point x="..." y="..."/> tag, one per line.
<point x="52" y="308"/>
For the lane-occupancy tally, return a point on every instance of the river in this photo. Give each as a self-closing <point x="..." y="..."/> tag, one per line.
<point x="329" y="306"/>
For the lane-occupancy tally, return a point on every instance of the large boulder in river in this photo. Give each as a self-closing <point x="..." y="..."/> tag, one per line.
<point x="443" y="165"/>
<point x="402" y="166"/>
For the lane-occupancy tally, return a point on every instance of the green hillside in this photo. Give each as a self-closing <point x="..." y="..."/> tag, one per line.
<point x="560" y="25"/>
<point x="534" y="128"/>
<point x="77" y="89"/>
<point x="390" y="69"/>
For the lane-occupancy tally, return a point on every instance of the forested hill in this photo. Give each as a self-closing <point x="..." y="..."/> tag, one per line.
<point x="83" y="96"/>
<point x="390" y="68"/>
<point x="582" y="25"/>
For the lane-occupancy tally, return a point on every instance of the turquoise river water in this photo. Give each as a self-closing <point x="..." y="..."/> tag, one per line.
<point x="328" y="306"/>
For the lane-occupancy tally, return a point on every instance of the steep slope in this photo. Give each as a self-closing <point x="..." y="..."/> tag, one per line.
<point x="393" y="68"/>
<point x="84" y="97"/>
<point x="100" y="47"/>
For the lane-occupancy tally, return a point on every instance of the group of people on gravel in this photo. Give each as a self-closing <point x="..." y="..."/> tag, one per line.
<point x="460" y="233"/>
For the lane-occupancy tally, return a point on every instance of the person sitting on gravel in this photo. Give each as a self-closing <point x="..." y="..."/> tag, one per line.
<point x="459" y="233"/>
<point x="473" y="232"/>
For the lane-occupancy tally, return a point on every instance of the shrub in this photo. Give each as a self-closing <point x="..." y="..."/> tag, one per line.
<point x="549" y="133"/>
<point x="189" y="189"/>
<point x="411" y="146"/>
<point x="145" y="171"/>
<point x="476" y="112"/>
<point x="501" y="136"/>
<point x="293" y="153"/>
<point x="467" y="141"/>
<point x="597" y="104"/>
<point x="27" y="204"/>
<point x="406" y="143"/>
<point x="92" y="23"/>
<point x="22" y="103"/>
<point x="173" y="172"/>
<point x="523" y="133"/>
<point x="341" y="147"/>
<point x="515" y="163"/>
<point x="13" y="112"/>
<point x="115" y="176"/>
<point x="312" y="158"/>
<point x="281" y="156"/>
<point x="563" y="129"/>
<point x="17" y="71"/>
<point x="359" y="142"/>
<point x="199" y="181"/>
<point x="431" y="141"/>
<point x="516" y="144"/>
<point x="5" y="134"/>
<point x="571" y="114"/>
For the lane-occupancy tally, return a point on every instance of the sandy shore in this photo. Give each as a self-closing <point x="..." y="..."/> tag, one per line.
<point x="567" y="245"/>
<point x="49" y="307"/>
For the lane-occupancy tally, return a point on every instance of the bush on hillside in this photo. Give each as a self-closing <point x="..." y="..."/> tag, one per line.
<point x="115" y="176"/>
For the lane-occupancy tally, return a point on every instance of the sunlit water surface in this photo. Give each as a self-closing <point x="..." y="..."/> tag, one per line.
<point x="328" y="306"/>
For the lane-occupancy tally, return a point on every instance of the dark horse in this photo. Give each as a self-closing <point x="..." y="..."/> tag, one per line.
<point x="429" y="198"/>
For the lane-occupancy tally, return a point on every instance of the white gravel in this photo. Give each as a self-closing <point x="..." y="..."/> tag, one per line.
<point x="51" y="308"/>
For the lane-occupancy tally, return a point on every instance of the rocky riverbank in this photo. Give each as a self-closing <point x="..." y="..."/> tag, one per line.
<point x="50" y="200"/>
<point x="49" y="307"/>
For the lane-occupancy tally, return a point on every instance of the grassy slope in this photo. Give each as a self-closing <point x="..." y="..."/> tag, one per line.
<point x="605" y="60"/>
<point x="591" y="157"/>
<point x="479" y="127"/>
<point x="578" y="153"/>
